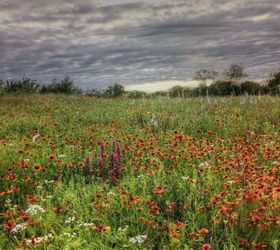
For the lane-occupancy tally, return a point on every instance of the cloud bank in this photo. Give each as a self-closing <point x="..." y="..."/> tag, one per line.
<point x="135" y="42"/>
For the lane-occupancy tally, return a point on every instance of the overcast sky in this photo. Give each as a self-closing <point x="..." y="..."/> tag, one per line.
<point x="140" y="44"/>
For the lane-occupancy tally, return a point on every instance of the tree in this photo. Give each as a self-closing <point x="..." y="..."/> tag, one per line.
<point x="204" y="74"/>
<point x="137" y="94"/>
<point x="176" y="91"/>
<point x="235" y="73"/>
<point x="26" y="85"/>
<point x="65" y="86"/>
<point x="2" y="83"/>
<point x="116" y="90"/>
<point x="274" y="83"/>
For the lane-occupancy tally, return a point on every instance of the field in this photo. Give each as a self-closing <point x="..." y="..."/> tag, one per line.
<point x="86" y="173"/>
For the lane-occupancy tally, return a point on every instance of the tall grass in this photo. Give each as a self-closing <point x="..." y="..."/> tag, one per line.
<point x="195" y="173"/>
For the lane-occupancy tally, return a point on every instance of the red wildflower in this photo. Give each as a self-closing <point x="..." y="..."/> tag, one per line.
<point x="101" y="228"/>
<point x="206" y="247"/>
<point x="203" y="231"/>
<point x="158" y="190"/>
<point x="25" y="217"/>
<point x="37" y="167"/>
<point x="52" y="157"/>
<point x="31" y="199"/>
<point x="179" y="224"/>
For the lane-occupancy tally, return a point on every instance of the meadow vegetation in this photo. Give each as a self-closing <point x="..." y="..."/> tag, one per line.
<point x="80" y="172"/>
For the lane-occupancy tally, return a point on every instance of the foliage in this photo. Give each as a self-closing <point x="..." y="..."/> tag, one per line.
<point x="176" y="91"/>
<point x="2" y="83"/>
<point x="274" y="83"/>
<point x="25" y="85"/>
<point x="137" y="94"/>
<point x="222" y="88"/>
<point x="116" y="90"/>
<point x="65" y="86"/>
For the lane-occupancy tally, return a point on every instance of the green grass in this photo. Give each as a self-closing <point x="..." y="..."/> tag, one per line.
<point x="214" y="160"/>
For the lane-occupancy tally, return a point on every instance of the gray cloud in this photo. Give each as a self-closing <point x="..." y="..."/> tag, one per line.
<point x="102" y="42"/>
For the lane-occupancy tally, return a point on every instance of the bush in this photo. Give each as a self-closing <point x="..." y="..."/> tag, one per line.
<point x="176" y="91"/>
<point x="274" y="84"/>
<point x="249" y="87"/>
<point x="26" y="85"/>
<point x="137" y="94"/>
<point x="65" y="86"/>
<point x="116" y="90"/>
<point x="1" y="87"/>
<point x="202" y="90"/>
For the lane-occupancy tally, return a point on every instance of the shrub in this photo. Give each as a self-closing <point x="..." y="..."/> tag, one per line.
<point x="1" y="87"/>
<point x="249" y="87"/>
<point x="26" y="85"/>
<point x="137" y="94"/>
<point x="116" y="90"/>
<point x="274" y="84"/>
<point x="65" y="86"/>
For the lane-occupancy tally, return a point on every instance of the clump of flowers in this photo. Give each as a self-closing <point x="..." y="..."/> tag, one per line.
<point x="115" y="168"/>
<point x="138" y="239"/>
<point x="70" y="219"/>
<point x="39" y="240"/>
<point x="18" y="228"/>
<point x="34" y="209"/>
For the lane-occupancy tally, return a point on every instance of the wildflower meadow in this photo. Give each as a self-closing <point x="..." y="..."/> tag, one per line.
<point x="78" y="172"/>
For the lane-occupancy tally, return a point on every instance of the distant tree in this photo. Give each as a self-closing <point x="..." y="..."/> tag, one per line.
<point x="176" y="91"/>
<point x="221" y="88"/>
<point x="204" y="74"/>
<point x="159" y="93"/>
<point x="137" y="94"/>
<point x="25" y="85"/>
<point x="249" y="87"/>
<point x="2" y="84"/>
<point x="116" y="90"/>
<point x="235" y="73"/>
<point x="65" y="86"/>
<point x="273" y="83"/>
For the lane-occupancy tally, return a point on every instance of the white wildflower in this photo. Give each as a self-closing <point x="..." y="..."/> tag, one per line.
<point x="38" y="240"/>
<point x="203" y="164"/>
<point x="49" y="182"/>
<point x="19" y="227"/>
<point x="70" y="219"/>
<point x="138" y="239"/>
<point x="111" y="193"/>
<point x="34" y="209"/>
<point x="123" y="229"/>
<point x="36" y="137"/>
<point x="154" y="120"/>
<point x="8" y="201"/>
<point x="73" y="235"/>
<point x="231" y="181"/>
<point x="86" y="224"/>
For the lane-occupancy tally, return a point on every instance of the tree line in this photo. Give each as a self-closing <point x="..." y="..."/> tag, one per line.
<point x="230" y="82"/>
